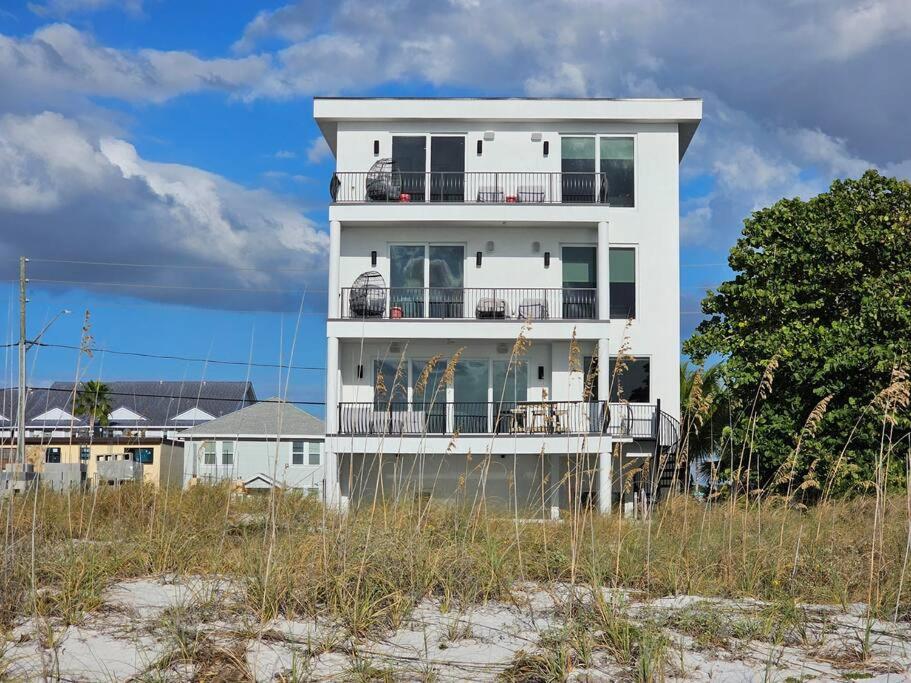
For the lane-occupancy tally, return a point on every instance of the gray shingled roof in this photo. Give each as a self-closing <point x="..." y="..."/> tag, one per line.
<point x="262" y="419"/>
<point x="158" y="402"/>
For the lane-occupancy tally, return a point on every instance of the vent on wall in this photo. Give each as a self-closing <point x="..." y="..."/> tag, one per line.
<point x="395" y="347"/>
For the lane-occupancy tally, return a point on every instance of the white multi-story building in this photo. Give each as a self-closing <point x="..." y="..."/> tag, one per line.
<point x="458" y="226"/>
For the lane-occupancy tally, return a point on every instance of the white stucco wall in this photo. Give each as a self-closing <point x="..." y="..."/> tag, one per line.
<point x="253" y="457"/>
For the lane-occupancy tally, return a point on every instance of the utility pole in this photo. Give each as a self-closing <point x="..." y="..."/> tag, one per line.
<point x="20" y="418"/>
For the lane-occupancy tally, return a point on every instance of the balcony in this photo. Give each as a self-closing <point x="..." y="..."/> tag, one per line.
<point x="470" y="187"/>
<point x="618" y="420"/>
<point x="468" y="303"/>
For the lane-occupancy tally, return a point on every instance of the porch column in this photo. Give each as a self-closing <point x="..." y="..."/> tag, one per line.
<point x="553" y="482"/>
<point x="603" y="271"/>
<point x="605" y="457"/>
<point x="335" y="249"/>
<point x="331" y="493"/>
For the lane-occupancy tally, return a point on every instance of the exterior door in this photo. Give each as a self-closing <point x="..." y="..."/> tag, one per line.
<point x="580" y="294"/>
<point x="406" y="280"/>
<point x="447" y="278"/>
<point x="447" y="169"/>
<point x="470" y="395"/>
<point x="578" y="170"/>
<point x="409" y="152"/>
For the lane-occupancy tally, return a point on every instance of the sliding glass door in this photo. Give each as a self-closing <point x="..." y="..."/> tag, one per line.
<point x="406" y="280"/>
<point x="409" y="152"/>
<point x="578" y="170"/>
<point x="470" y="395"/>
<point x="428" y="393"/>
<point x="580" y="282"/>
<point x="447" y="168"/>
<point x="441" y="266"/>
<point x="447" y="278"/>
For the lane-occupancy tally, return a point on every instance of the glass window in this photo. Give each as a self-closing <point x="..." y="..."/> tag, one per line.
<point x="297" y="453"/>
<point x="580" y="296"/>
<point x="618" y="171"/>
<point x="144" y="456"/>
<point x="85" y="453"/>
<point x="510" y="386"/>
<point x="227" y="453"/>
<point x="406" y="279"/>
<point x="208" y="453"/>
<point x="622" y="268"/>
<point x="409" y="152"/>
<point x="578" y="169"/>
<point x="390" y="392"/>
<point x="428" y="393"/>
<point x="313" y="452"/>
<point x="590" y="372"/>
<point x="630" y="383"/>
<point x="470" y="388"/>
<point x="447" y="267"/>
<point x="447" y="169"/>
<point x="52" y="455"/>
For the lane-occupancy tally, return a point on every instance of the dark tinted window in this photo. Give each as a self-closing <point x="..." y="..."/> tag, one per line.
<point x="618" y="171"/>
<point x="409" y="154"/>
<point x="622" y="268"/>
<point x="631" y="383"/>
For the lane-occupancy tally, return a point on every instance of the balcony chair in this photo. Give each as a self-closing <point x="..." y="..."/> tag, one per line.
<point x="535" y="309"/>
<point x="491" y="308"/>
<point x="384" y="181"/>
<point x="367" y="297"/>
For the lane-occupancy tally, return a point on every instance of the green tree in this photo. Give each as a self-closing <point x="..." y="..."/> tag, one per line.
<point x="703" y="409"/>
<point x="822" y="290"/>
<point x="93" y="402"/>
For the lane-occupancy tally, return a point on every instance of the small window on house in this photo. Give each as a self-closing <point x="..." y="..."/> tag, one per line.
<point x="622" y="267"/>
<point x="227" y="453"/>
<point x="144" y="456"/>
<point x="52" y="455"/>
<point x="208" y="453"/>
<point x="297" y="453"/>
<point x="630" y="381"/>
<point x="618" y="171"/>
<point x="313" y="453"/>
<point x="85" y="453"/>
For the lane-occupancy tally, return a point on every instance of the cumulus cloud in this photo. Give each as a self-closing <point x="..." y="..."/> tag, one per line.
<point x="62" y="8"/>
<point x="318" y="150"/>
<point x="59" y="60"/>
<point x="87" y="198"/>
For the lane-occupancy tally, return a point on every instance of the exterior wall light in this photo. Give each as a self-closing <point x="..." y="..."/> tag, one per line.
<point x="477" y="259"/>
<point x="546" y="148"/>
<point x="480" y="147"/>
<point x="547" y="259"/>
<point x="376" y="148"/>
<point x="373" y="259"/>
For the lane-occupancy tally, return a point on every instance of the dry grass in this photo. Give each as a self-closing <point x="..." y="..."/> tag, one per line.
<point x="368" y="569"/>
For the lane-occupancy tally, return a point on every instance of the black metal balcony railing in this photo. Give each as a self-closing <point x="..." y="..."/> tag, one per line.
<point x="632" y="420"/>
<point x="469" y="303"/>
<point x="482" y="187"/>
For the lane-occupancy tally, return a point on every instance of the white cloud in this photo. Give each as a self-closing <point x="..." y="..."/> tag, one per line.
<point x="285" y="154"/>
<point x="62" y="8"/>
<point x="58" y="60"/>
<point x="98" y="199"/>
<point x="318" y="150"/>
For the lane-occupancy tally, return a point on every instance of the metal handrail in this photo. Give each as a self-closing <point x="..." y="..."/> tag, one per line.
<point x="469" y="303"/>
<point x="617" y="419"/>
<point x="470" y="187"/>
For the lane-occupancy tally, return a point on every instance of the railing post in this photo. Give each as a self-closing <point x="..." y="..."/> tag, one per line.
<point x="657" y="424"/>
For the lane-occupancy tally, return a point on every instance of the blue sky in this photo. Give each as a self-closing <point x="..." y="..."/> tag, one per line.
<point x="164" y="132"/>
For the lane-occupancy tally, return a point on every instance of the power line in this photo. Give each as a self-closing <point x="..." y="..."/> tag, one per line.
<point x="174" y="266"/>
<point x="139" y="354"/>
<point x="151" y="285"/>
<point x="190" y="398"/>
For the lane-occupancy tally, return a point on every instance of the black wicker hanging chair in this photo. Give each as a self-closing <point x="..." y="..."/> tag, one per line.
<point x="384" y="181"/>
<point x="368" y="296"/>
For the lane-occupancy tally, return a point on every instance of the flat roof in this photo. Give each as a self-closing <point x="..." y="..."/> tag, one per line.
<point x="686" y="112"/>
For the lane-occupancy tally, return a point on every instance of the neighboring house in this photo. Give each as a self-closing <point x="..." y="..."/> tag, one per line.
<point x="455" y="221"/>
<point x="139" y="441"/>
<point x="271" y="443"/>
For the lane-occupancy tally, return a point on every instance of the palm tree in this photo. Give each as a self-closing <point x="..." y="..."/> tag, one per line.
<point x="93" y="402"/>
<point x="703" y="413"/>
